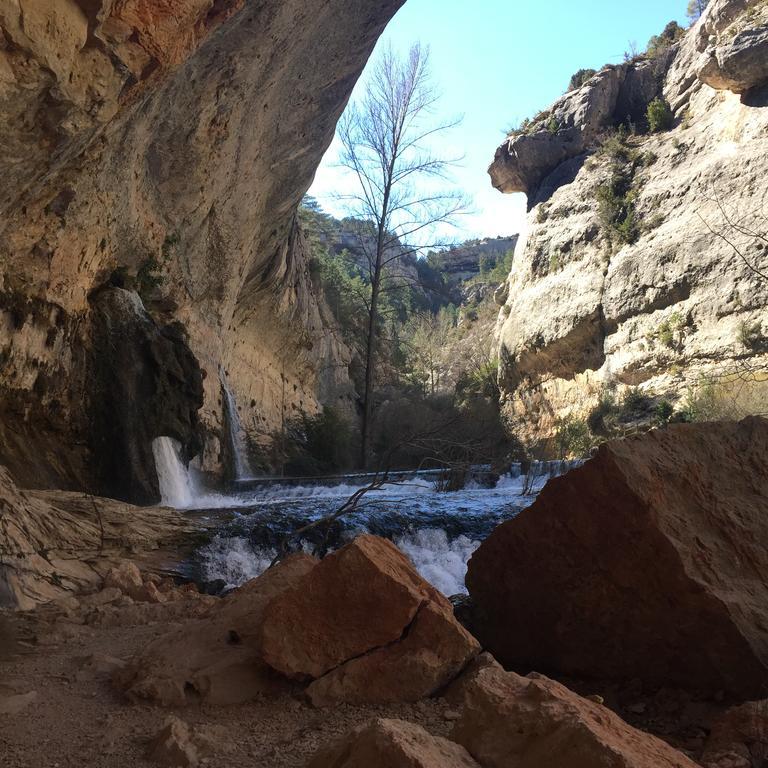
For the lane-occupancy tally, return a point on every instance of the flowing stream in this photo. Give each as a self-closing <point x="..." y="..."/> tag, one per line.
<point x="439" y="531"/>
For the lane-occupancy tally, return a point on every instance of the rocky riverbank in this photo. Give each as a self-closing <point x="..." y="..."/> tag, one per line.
<point x="356" y="659"/>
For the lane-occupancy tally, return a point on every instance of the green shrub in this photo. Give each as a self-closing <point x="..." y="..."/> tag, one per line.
<point x="659" y="44"/>
<point x="579" y="78"/>
<point x="572" y="437"/>
<point x="751" y="336"/>
<point x="665" y="334"/>
<point x="553" y="126"/>
<point x="664" y="412"/>
<point x="616" y="206"/>
<point x="659" y="116"/>
<point x="601" y="418"/>
<point x="634" y="400"/>
<point x="148" y="277"/>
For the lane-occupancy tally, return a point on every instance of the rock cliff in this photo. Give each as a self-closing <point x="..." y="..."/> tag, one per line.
<point x="640" y="262"/>
<point x="163" y="148"/>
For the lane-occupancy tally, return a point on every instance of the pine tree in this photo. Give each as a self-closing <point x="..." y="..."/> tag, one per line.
<point x="695" y="9"/>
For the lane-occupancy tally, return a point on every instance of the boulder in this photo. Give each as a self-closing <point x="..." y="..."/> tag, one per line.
<point x="126" y="577"/>
<point x="647" y="562"/>
<point x="364" y="627"/>
<point x="739" y="738"/>
<point x="392" y="744"/>
<point x="215" y="659"/>
<point x="509" y="721"/>
<point x="738" y="65"/>
<point x="360" y="598"/>
<point x="733" y="45"/>
<point x="434" y="651"/>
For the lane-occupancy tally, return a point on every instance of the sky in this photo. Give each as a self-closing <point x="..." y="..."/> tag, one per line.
<point x="496" y="62"/>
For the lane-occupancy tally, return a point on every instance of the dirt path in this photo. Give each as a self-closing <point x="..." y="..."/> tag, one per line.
<point x="77" y="718"/>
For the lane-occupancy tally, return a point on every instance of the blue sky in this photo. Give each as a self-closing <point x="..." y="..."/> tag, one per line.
<point x="497" y="62"/>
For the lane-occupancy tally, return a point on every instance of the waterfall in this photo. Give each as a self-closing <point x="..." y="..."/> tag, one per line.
<point x="172" y="475"/>
<point x="243" y="469"/>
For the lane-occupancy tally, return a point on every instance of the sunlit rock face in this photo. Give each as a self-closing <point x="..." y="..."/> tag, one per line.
<point x="165" y="146"/>
<point x="583" y="313"/>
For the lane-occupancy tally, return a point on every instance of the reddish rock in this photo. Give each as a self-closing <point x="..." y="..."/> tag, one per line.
<point x="739" y="738"/>
<point x="509" y="721"/>
<point x="360" y="598"/>
<point x="392" y="744"/>
<point x="647" y="562"/>
<point x="215" y="659"/>
<point x="126" y="577"/>
<point x="433" y="653"/>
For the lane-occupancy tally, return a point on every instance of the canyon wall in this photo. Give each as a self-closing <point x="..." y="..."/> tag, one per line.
<point x="675" y="297"/>
<point x="160" y="150"/>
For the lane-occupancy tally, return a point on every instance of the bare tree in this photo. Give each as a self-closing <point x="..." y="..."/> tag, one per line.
<point x="745" y="233"/>
<point x="384" y="139"/>
<point x="426" y="340"/>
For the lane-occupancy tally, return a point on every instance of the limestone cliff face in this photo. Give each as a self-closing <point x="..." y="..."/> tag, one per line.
<point x="164" y="146"/>
<point x="584" y="310"/>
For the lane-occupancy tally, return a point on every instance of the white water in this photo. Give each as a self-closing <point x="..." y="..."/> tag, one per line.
<point x="173" y="477"/>
<point x="441" y="562"/>
<point x="438" y="531"/>
<point x="233" y="560"/>
<point x="243" y="469"/>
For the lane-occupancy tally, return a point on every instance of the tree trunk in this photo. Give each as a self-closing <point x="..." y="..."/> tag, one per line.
<point x="370" y="355"/>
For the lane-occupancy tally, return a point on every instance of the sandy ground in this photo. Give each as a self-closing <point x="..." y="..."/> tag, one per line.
<point x="78" y="719"/>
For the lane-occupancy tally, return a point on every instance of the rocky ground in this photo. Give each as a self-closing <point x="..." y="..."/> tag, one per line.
<point x="74" y="716"/>
<point x="355" y="660"/>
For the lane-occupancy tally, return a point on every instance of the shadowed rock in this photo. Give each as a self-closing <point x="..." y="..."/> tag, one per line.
<point x="647" y="562"/>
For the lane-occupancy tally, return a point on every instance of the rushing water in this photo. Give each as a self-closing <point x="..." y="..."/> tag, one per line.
<point x="242" y="466"/>
<point x="175" y="483"/>
<point x="439" y="531"/>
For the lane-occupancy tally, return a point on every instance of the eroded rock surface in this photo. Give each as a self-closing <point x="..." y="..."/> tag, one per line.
<point x="388" y="743"/>
<point x="587" y="312"/>
<point x="529" y="722"/>
<point x="739" y="737"/>
<point x="166" y="147"/>
<point x="647" y="562"/>
<point x="54" y="543"/>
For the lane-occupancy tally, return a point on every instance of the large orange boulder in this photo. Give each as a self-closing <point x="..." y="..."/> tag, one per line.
<point x="365" y="628"/>
<point x="648" y="562"/>
<point x="360" y="598"/>
<point x="433" y="653"/>
<point x="392" y="744"/>
<point x="508" y="721"/>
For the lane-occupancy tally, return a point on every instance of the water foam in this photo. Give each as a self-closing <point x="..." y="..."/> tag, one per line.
<point x="233" y="560"/>
<point x="443" y="563"/>
<point x="172" y="476"/>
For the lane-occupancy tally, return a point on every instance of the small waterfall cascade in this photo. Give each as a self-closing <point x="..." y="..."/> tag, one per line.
<point x="173" y="477"/>
<point x="242" y="466"/>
